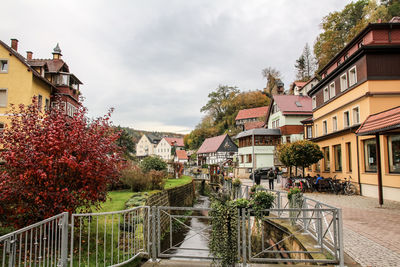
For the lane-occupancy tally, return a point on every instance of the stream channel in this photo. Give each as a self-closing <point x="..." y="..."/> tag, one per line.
<point x="191" y="239"/>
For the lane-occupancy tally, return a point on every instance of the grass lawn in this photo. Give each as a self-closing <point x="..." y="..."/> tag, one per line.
<point x="171" y="183"/>
<point x="116" y="200"/>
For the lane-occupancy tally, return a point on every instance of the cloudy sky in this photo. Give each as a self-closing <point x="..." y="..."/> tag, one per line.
<point x="155" y="61"/>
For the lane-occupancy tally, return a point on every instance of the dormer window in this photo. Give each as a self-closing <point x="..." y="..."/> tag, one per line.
<point x="3" y="66"/>
<point x="346" y="56"/>
<point x="360" y="44"/>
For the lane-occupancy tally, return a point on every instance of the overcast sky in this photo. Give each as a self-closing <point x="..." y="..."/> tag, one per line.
<point x="156" y="61"/>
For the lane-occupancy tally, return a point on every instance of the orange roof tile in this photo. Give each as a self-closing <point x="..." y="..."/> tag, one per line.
<point x="380" y="122"/>
<point x="181" y="154"/>
<point x="253" y="125"/>
<point x="252" y="113"/>
<point x="173" y="141"/>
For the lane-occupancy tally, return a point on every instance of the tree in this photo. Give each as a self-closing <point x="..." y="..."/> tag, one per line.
<point x="54" y="163"/>
<point x="305" y="153"/>
<point x="285" y="156"/>
<point x="153" y="163"/>
<point x="340" y="27"/>
<point x="273" y="76"/>
<point x="125" y="142"/>
<point x="305" y="65"/>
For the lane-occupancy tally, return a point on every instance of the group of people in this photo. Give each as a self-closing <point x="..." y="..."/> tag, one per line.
<point x="272" y="175"/>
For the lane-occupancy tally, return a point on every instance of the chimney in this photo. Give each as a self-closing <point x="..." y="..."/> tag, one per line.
<point x="29" y="55"/>
<point x="14" y="44"/>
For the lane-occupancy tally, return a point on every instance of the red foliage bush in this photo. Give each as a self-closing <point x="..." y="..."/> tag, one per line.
<point x="54" y="163"/>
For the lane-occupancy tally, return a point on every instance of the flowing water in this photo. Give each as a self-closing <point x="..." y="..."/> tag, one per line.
<point x="190" y="238"/>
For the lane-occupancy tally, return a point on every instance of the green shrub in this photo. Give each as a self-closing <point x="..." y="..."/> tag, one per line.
<point x="241" y="203"/>
<point x="135" y="178"/>
<point x="236" y="182"/>
<point x="157" y="179"/>
<point x="262" y="200"/>
<point x="153" y="163"/>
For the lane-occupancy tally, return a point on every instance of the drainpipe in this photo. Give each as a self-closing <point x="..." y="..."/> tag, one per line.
<point x="379" y="168"/>
<point x="358" y="166"/>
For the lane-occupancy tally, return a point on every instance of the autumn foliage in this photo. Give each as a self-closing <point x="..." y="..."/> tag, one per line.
<point x="54" y="163"/>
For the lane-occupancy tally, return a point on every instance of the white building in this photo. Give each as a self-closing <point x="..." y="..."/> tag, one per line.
<point x="286" y="113"/>
<point x="181" y="156"/>
<point x="146" y="145"/>
<point x="302" y="88"/>
<point x="165" y="147"/>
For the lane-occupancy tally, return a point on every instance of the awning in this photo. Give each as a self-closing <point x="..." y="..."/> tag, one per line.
<point x="259" y="131"/>
<point x="386" y="121"/>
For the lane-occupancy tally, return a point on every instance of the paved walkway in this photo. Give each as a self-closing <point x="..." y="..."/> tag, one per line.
<point x="371" y="233"/>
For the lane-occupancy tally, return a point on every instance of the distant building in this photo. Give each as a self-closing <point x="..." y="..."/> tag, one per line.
<point x="250" y="115"/>
<point x="302" y="88"/>
<point x="147" y="145"/>
<point x="181" y="156"/>
<point x="216" y="150"/>
<point x="166" y="146"/>
<point x="286" y="113"/>
<point x="265" y="142"/>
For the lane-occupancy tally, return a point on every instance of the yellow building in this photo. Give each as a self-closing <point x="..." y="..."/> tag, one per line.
<point x="19" y="82"/>
<point x="361" y="80"/>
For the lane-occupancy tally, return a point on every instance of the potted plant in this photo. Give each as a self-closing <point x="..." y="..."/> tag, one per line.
<point x="236" y="187"/>
<point x="261" y="201"/>
<point x="241" y="203"/>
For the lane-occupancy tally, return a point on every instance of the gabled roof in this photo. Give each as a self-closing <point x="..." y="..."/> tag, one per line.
<point x="300" y="84"/>
<point x="259" y="131"/>
<point x="380" y="122"/>
<point x="293" y="104"/>
<point x="54" y="65"/>
<point x="211" y="145"/>
<point x="23" y="61"/>
<point x="252" y="113"/>
<point x="254" y="125"/>
<point x="153" y="139"/>
<point x="173" y="141"/>
<point x="181" y="154"/>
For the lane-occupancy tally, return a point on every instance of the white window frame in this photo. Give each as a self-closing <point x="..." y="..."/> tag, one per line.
<point x="326" y="94"/>
<point x="334" y="124"/>
<point x="351" y="77"/>
<point x="40" y="102"/>
<point x="342" y="88"/>
<point x="1" y="64"/>
<point x="6" y="90"/>
<point x="352" y="115"/>
<point x="332" y="91"/>
<point x="344" y="119"/>
<point x="314" y="102"/>
<point x="324" y="127"/>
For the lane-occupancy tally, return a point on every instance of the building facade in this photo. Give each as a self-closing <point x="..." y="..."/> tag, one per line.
<point x="216" y="150"/>
<point x="146" y="145"/>
<point x="181" y="156"/>
<point x="250" y="116"/>
<point x="165" y="148"/>
<point x="19" y="82"/>
<point x="361" y="80"/>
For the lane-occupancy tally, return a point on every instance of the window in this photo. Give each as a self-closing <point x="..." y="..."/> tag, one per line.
<point x="370" y="155"/>
<point x="249" y="158"/>
<point x="47" y="104"/>
<point x="332" y="90"/>
<point x="327" y="163"/>
<point x="309" y="131"/>
<point x="337" y="150"/>
<point x="326" y="94"/>
<point x="318" y="166"/>
<point x="356" y="115"/>
<point x="3" y="97"/>
<point x="348" y="148"/>
<point x="324" y="127"/>
<point x="3" y="66"/>
<point x="360" y="44"/>
<point x="346" y="119"/>
<point x="241" y="158"/>
<point x="287" y="139"/>
<point x="277" y="123"/>
<point x="352" y="76"/>
<point x="394" y="153"/>
<point x="334" y="123"/>
<point x="274" y="108"/>
<point x="316" y="130"/>
<point x="314" y="102"/>
<point x="40" y="102"/>
<point x="343" y="82"/>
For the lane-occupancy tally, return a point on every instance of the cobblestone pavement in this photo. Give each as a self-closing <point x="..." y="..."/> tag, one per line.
<point x="371" y="233"/>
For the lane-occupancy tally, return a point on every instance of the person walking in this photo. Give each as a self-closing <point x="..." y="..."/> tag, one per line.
<point x="271" y="176"/>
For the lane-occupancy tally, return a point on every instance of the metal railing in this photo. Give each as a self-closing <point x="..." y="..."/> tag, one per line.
<point x="41" y="244"/>
<point x="109" y="238"/>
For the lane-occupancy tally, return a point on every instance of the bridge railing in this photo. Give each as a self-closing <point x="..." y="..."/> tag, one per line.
<point x="41" y="244"/>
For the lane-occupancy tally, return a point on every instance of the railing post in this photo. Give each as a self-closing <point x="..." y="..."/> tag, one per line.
<point x="279" y="200"/>
<point x="153" y="238"/>
<point x="341" y="243"/>
<point x="243" y="217"/>
<point x="64" y="241"/>
<point x="319" y="223"/>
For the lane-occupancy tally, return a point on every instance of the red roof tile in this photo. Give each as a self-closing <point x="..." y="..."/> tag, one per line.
<point x="172" y="141"/>
<point x="181" y="154"/>
<point x="54" y="65"/>
<point x="379" y="122"/>
<point x="252" y="113"/>
<point x="212" y="144"/>
<point x="293" y="104"/>
<point x="300" y="84"/>
<point x="253" y="125"/>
